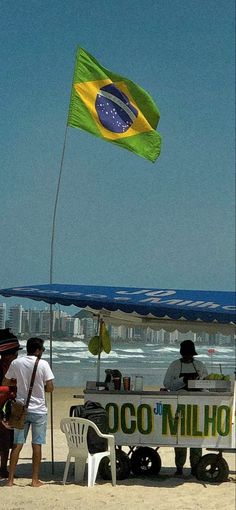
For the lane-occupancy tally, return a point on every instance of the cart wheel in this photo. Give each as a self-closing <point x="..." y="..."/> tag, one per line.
<point x="122" y="466"/>
<point x="212" y="468"/>
<point x="145" y="461"/>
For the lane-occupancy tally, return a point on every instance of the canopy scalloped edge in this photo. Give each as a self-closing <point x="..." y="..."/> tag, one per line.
<point x="169" y="309"/>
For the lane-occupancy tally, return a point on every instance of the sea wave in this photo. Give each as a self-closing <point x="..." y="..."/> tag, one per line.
<point x="73" y="364"/>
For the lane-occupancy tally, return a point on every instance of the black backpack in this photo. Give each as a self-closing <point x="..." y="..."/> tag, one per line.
<point x="95" y="412"/>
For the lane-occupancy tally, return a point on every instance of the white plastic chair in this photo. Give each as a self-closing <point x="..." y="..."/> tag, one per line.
<point x="76" y="430"/>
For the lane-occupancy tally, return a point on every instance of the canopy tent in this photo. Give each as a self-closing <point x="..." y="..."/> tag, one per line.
<point x="169" y="309"/>
<point x="185" y="310"/>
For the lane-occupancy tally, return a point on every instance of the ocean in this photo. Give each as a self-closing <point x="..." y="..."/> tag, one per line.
<point x="73" y="365"/>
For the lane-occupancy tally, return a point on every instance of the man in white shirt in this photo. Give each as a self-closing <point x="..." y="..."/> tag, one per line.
<point x="21" y="369"/>
<point x="177" y="376"/>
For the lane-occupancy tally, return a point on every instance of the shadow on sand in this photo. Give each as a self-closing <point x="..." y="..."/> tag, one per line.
<point x="53" y="474"/>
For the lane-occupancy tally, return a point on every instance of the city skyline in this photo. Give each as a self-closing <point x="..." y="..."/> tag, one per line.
<point x="33" y="321"/>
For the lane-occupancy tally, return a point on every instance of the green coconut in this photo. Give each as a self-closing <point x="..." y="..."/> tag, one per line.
<point x="106" y="342"/>
<point x="94" y="345"/>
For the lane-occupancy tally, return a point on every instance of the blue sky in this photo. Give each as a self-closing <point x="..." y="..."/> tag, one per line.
<point x="121" y="220"/>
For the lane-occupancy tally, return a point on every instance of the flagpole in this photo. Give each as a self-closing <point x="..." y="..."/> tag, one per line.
<point x="55" y="209"/>
<point x="50" y="280"/>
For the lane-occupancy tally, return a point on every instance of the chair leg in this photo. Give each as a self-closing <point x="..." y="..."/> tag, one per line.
<point x="66" y="469"/>
<point x="113" y="469"/>
<point x="79" y="469"/>
<point x="93" y="463"/>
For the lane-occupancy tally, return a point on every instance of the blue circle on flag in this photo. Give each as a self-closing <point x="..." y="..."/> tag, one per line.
<point x="114" y="109"/>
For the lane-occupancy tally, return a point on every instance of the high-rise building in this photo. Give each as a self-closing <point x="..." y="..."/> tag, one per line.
<point x="3" y="315"/>
<point x="15" y="319"/>
<point x="44" y="326"/>
<point x="88" y="327"/>
<point x="166" y="337"/>
<point x="34" y="321"/>
<point x="130" y="333"/>
<point x="115" y="332"/>
<point x="73" y="326"/>
<point x="25" y="322"/>
<point x="118" y="332"/>
<point x="152" y="336"/>
<point x="63" y="316"/>
<point x="174" y="335"/>
<point x="40" y="321"/>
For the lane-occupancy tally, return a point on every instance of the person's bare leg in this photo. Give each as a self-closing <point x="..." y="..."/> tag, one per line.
<point x="16" y="449"/>
<point x="36" y="461"/>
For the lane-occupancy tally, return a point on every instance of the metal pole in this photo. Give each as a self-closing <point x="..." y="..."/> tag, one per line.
<point x="50" y="280"/>
<point x="51" y="395"/>
<point x="55" y="209"/>
<point x="99" y="352"/>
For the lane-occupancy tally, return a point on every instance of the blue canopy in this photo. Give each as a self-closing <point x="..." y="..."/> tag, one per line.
<point x="170" y="309"/>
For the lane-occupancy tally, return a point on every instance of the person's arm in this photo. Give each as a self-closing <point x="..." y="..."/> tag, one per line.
<point x="10" y="376"/>
<point x="48" y="377"/>
<point x="168" y="379"/>
<point x="7" y="382"/>
<point x="172" y="381"/>
<point x="49" y="386"/>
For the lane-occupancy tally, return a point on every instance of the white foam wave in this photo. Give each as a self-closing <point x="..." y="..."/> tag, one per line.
<point x="127" y="356"/>
<point x="130" y="350"/>
<point x="67" y="362"/>
<point x="68" y="344"/>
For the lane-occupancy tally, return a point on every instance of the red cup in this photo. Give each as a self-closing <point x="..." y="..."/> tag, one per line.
<point x="116" y="381"/>
<point x="126" y="383"/>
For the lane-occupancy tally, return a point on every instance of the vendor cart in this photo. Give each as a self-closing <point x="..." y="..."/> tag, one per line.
<point x="146" y="420"/>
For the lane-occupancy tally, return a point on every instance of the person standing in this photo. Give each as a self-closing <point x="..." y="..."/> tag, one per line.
<point x="21" y="369"/>
<point x="9" y="347"/>
<point x="177" y="376"/>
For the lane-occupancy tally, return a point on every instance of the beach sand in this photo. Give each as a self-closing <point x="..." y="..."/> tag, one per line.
<point x="161" y="492"/>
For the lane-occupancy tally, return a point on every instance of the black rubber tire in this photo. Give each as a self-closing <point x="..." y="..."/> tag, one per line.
<point x="212" y="468"/>
<point x="145" y="461"/>
<point x="122" y="466"/>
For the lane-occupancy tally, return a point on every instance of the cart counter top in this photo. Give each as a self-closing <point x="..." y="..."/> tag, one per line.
<point x="156" y="393"/>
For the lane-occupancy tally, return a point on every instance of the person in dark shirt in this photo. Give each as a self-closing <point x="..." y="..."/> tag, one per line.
<point x="177" y="376"/>
<point x="9" y="347"/>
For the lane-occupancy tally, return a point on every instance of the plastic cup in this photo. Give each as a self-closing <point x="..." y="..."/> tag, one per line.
<point x="126" y="383"/>
<point x="116" y="381"/>
<point x="138" y="384"/>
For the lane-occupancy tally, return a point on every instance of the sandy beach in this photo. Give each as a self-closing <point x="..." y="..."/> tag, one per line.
<point x="160" y="492"/>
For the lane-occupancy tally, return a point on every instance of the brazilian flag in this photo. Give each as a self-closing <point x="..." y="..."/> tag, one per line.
<point x="113" y="108"/>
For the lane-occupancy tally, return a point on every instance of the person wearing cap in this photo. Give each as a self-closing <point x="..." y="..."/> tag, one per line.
<point x="177" y="376"/>
<point x="9" y="347"/>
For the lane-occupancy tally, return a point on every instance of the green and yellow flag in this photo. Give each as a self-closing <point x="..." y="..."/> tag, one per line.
<point x="113" y="108"/>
